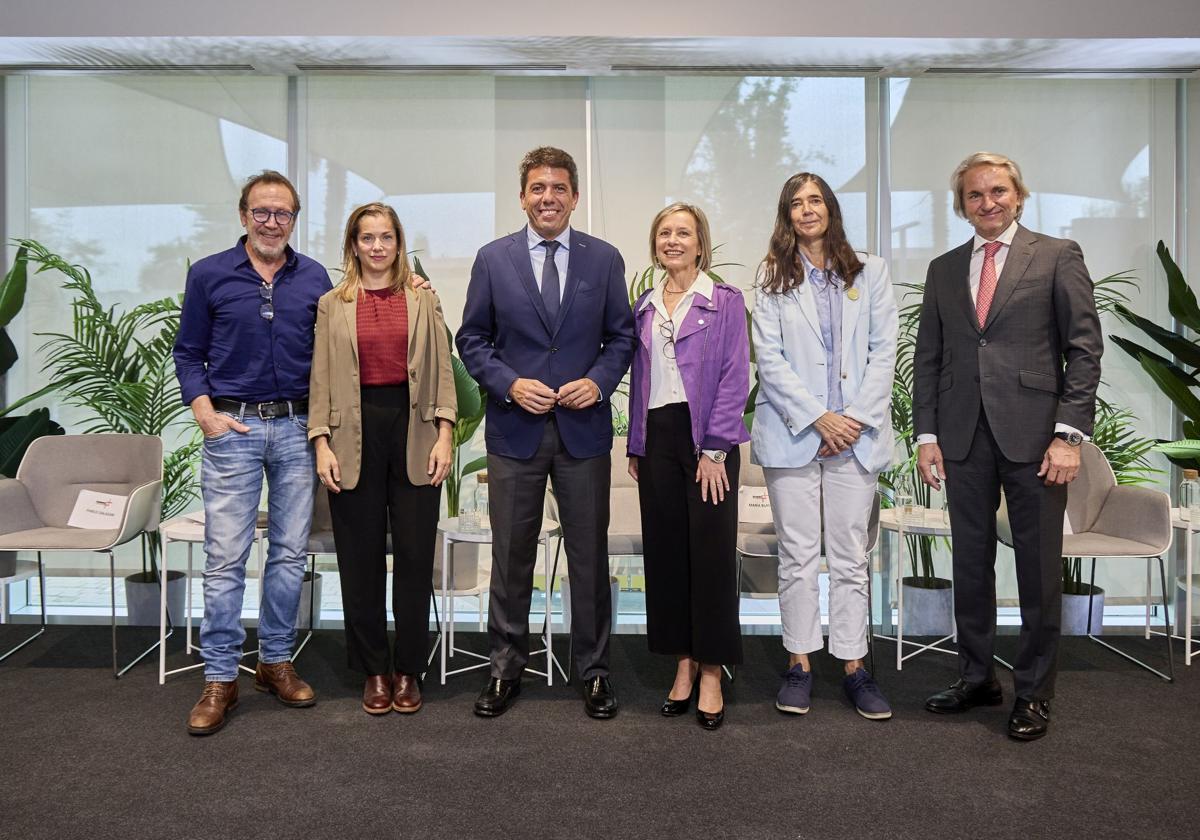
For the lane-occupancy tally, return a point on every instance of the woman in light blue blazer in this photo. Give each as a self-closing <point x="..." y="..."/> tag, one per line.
<point x="825" y="327"/>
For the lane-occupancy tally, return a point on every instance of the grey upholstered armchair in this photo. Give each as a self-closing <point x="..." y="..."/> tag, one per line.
<point x="35" y="506"/>
<point x="1107" y="519"/>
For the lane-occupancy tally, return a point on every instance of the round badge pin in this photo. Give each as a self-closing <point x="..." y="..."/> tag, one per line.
<point x="852" y="293"/>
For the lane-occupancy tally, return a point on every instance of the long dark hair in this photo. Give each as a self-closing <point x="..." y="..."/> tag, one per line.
<point x="783" y="269"/>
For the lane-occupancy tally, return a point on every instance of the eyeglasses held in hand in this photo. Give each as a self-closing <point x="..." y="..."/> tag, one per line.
<point x="266" y="310"/>
<point x="262" y="215"/>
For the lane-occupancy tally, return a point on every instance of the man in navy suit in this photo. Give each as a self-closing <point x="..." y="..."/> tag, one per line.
<point x="547" y="330"/>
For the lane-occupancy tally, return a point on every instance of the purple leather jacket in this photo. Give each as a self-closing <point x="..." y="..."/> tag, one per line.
<point x="713" y="354"/>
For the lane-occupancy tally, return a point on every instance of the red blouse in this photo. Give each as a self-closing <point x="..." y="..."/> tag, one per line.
<point x="382" y="338"/>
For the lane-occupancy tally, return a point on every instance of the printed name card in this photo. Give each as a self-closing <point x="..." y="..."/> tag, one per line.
<point x="98" y="510"/>
<point x="754" y="505"/>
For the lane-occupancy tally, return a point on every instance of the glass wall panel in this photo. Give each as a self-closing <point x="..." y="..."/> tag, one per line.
<point x="726" y="144"/>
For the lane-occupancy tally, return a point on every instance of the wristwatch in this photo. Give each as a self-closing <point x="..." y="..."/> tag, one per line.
<point x="717" y="455"/>
<point x="1072" y="438"/>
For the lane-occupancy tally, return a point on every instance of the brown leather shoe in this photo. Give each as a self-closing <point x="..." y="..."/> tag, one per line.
<point x="281" y="679"/>
<point x="217" y="701"/>
<point x="406" y="694"/>
<point x="377" y="694"/>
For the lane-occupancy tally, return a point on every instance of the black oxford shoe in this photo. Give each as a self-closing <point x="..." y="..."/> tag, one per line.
<point x="1029" y="720"/>
<point x="599" y="697"/>
<point x="964" y="695"/>
<point x="497" y="696"/>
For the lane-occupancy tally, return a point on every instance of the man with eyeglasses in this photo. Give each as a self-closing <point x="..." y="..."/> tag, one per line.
<point x="242" y="357"/>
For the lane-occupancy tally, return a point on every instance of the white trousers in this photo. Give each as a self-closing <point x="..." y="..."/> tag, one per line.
<point x="846" y="492"/>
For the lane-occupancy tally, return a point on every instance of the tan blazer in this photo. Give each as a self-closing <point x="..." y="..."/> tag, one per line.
<point x="333" y="390"/>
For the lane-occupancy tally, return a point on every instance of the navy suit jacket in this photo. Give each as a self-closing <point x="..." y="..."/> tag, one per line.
<point x="506" y="334"/>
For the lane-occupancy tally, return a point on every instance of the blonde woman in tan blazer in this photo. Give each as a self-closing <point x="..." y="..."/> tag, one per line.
<point x="381" y="411"/>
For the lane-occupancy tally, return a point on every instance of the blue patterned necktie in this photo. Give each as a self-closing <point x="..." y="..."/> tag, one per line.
<point x="550" y="285"/>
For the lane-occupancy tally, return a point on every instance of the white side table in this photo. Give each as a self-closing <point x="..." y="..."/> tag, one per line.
<point x="933" y="524"/>
<point x="449" y="530"/>
<point x="189" y="529"/>
<point x="1189" y="546"/>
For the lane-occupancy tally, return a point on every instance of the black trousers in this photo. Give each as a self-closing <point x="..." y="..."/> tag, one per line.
<point x="383" y="498"/>
<point x="1036" y="513"/>
<point x="688" y="547"/>
<point x="517" y="504"/>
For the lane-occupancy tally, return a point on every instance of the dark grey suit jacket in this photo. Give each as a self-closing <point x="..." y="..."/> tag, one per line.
<point x="1035" y="363"/>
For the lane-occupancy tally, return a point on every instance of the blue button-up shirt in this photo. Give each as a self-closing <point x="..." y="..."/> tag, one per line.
<point x="225" y="348"/>
<point x="827" y="293"/>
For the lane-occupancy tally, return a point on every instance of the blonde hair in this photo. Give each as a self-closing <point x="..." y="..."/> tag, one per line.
<point x="987" y="159"/>
<point x="703" y="237"/>
<point x="351" y="283"/>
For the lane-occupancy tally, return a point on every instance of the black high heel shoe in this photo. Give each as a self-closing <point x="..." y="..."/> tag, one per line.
<point x="710" y="720"/>
<point x="675" y="708"/>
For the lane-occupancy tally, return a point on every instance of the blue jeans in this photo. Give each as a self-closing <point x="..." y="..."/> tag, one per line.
<point x="231" y="477"/>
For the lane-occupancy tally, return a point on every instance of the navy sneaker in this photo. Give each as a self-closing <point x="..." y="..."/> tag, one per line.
<point x="795" y="693"/>
<point x="864" y="693"/>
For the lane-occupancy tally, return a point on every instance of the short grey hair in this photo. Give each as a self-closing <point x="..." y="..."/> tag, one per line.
<point x="987" y="159"/>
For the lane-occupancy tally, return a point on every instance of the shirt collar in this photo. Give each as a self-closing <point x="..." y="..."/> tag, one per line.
<point x="703" y="286"/>
<point x="818" y="278"/>
<point x="535" y="241"/>
<point x="1005" y="238"/>
<point x="289" y="253"/>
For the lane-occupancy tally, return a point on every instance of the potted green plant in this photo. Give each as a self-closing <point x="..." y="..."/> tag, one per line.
<point x="117" y="366"/>
<point x="928" y="598"/>
<point x="16" y="433"/>
<point x="1175" y="374"/>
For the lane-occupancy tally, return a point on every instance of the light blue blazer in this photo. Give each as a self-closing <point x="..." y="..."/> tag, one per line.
<point x="791" y="371"/>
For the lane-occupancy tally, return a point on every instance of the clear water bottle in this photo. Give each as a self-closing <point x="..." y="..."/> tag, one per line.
<point x="906" y="508"/>
<point x="481" y="502"/>
<point x="1189" y="498"/>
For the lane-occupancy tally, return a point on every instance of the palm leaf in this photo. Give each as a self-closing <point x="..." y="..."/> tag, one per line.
<point x="1181" y="301"/>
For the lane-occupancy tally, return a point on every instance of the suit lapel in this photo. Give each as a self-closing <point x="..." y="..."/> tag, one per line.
<point x="803" y="295"/>
<point x="578" y="261"/>
<point x="414" y="317"/>
<point x="699" y="316"/>
<point x="350" y="313"/>
<point x="518" y="253"/>
<point x="960" y="281"/>
<point x="1020" y="254"/>
<point x="851" y="308"/>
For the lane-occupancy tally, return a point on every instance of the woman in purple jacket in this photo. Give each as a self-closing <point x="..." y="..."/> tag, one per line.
<point x="690" y="380"/>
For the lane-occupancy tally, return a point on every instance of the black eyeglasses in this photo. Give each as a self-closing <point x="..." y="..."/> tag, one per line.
<point x="262" y="215"/>
<point x="266" y="310"/>
<point x="666" y="329"/>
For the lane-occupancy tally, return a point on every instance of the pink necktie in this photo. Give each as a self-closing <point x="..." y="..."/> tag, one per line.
<point x="987" y="282"/>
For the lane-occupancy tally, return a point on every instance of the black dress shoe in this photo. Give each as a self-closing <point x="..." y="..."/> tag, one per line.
<point x="497" y="696"/>
<point x="1029" y="720"/>
<point x="964" y="695"/>
<point x="710" y="720"/>
<point x="599" y="697"/>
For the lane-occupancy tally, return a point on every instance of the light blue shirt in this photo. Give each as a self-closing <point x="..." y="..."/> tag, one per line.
<point x="537" y="257"/>
<point x="827" y="293"/>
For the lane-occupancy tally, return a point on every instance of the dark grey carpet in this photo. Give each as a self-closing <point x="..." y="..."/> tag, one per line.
<point x="89" y="757"/>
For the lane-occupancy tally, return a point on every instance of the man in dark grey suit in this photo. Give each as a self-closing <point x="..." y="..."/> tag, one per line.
<point x="1006" y="368"/>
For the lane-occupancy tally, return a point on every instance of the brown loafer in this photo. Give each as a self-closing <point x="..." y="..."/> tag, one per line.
<point x="281" y="679"/>
<point x="209" y="713"/>
<point x="406" y="694"/>
<point x="377" y="694"/>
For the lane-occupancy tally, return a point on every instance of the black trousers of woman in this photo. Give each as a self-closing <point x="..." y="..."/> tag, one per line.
<point x="385" y="498"/>
<point x="688" y="547"/>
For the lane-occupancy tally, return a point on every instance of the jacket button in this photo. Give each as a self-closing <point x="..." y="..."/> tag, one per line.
<point x="412" y="372"/>
<point x="983" y="342"/>
<point x="976" y="378"/>
<point x="553" y="349"/>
